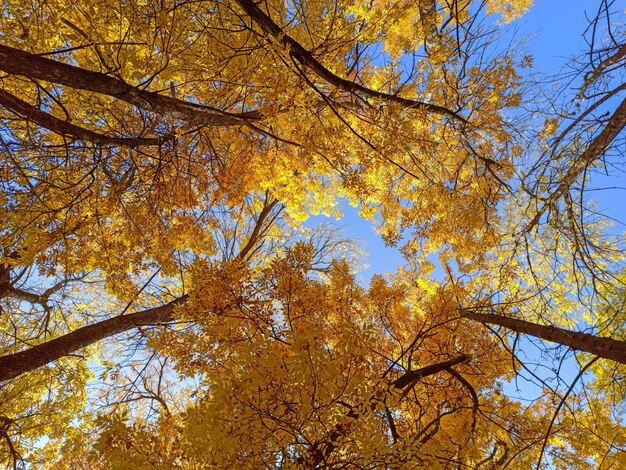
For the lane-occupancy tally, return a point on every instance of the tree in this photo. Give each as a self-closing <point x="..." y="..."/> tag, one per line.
<point x="158" y="162"/>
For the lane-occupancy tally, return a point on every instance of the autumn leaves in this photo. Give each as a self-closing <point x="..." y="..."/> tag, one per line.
<point x="157" y="163"/>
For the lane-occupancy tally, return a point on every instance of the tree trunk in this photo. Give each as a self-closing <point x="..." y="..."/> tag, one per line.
<point x="13" y="365"/>
<point x="66" y="128"/>
<point x="605" y="348"/>
<point x="589" y="157"/>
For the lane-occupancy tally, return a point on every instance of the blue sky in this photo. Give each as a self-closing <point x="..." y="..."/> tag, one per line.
<point x="556" y="28"/>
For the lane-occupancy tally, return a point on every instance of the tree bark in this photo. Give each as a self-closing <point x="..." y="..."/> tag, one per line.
<point x="13" y="365"/>
<point x="603" y="347"/>
<point x="35" y="67"/>
<point x="412" y="376"/>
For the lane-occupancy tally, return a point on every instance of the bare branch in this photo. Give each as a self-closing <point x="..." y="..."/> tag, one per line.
<point x="558" y="408"/>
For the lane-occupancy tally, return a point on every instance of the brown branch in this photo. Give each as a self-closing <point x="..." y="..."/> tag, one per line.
<point x="256" y="232"/>
<point x="594" y="151"/>
<point x="67" y="129"/>
<point x="13" y="365"/>
<point x="468" y="386"/>
<point x="27" y="296"/>
<point x="299" y="53"/>
<point x="35" y="67"/>
<point x="5" y="279"/>
<point x="427" y="434"/>
<point x="593" y="75"/>
<point x="606" y="348"/>
<point x="392" y="425"/>
<point x="413" y="376"/>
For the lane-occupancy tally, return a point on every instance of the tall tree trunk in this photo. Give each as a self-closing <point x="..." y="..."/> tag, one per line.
<point x="13" y="365"/>
<point x="587" y="159"/>
<point x="605" y="348"/>
<point x="66" y="128"/>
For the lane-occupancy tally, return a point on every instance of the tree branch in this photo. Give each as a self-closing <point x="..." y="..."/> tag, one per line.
<point x="596" y="73"/>
<point x="65" y="128"/>
<point x="320" y="450"/>
<point x="558" y="408"/>
<point x="594" y="151"/>
<point x="303" y="56"/>
<point x="414" y="376"/>
<point x="256" y="231"/>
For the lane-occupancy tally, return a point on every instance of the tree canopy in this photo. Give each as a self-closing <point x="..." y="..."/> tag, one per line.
<point x="163" y="303"/>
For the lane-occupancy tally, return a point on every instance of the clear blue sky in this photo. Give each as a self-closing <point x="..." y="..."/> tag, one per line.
<point x="556" y="28"/>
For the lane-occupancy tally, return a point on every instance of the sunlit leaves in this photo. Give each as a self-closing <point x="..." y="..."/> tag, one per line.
<point x="274" y="353"/>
